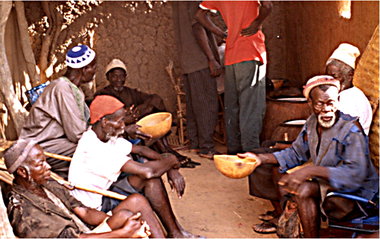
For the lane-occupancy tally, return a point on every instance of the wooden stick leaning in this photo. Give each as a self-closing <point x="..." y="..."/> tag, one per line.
<point x="71" y="186"/>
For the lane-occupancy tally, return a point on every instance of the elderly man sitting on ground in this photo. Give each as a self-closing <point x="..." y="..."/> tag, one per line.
<point x="40" y="207"/>
<point x="338" y="149"/>
<point x="101" y="157"/>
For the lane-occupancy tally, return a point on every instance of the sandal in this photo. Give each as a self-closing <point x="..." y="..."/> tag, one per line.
<point x="269" y="215"/>
<point x="186" y="162"/>
<point x="265" y="228"/>
<point x="209" y="155"/>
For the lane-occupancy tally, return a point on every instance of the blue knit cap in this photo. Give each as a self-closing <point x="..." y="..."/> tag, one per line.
<point x="79" y="56"/>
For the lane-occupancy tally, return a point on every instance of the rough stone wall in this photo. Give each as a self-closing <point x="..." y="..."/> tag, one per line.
<point x="144" y="40"/>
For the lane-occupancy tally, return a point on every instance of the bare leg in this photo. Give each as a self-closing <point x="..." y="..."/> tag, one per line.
<point x="138" y="203"/>
<point x="118" y="219"/>
<point x="156" y="193"/>
<point x="308" y="208"/>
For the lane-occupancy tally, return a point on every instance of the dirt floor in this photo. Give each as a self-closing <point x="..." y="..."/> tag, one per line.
<point x="216" y="206"/>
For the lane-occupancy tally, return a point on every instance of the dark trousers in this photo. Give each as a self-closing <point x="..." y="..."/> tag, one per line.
<point x="244" y="100"/>
<point x="201" y="109"/>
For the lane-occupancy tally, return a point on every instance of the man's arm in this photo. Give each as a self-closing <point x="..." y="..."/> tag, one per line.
<point x="260" y="158"/>
<point x="201" y="36"/>
<point x="291" y="182"/>
<point x="156" y="167"/>
<point x="89" y="215"/>
<point x="202" y="17"/>
<point x="256" y="25"/>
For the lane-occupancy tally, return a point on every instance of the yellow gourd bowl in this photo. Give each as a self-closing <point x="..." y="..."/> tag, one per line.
<point x="234" y="167"/>
<point x="156" y="125"/>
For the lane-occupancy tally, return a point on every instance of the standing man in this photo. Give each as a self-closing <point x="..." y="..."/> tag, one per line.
<point x="245" y="64"/>
<point x="352" y="101"/>
<point x="59" y="116"/>
<point x="200" y="65"/>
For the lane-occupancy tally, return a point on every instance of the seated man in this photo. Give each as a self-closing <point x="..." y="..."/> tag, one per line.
<point x="338" y="149"/>
<point x="59" y="116"/>
<point x="102" y="155"/>
<point x="40" y="207"/>
<point x="352" y="101"/>
<point x="142" y="103"/>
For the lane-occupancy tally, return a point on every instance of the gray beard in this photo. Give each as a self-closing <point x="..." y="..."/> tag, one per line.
<point x="325" y="124"/>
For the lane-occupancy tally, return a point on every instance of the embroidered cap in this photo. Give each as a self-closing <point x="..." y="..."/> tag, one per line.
<point x="319" y="80"/>
<point x="346" y="53"/>
<point x="103" y="105"/>
<point x="18" y="153"/>
<point x="79" y="56"/>
<point x="116" y="63"/>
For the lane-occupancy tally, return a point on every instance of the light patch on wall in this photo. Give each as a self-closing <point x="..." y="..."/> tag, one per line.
<point x="345" y="9"/>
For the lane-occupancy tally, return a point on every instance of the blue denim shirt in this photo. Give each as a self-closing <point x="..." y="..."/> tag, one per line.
<point x="343" y="150"/>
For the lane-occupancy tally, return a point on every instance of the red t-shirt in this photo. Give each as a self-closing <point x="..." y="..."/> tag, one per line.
<point x="237" y="16"/>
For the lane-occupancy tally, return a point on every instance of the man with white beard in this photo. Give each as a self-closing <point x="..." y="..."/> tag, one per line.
<point x="338" y="150"/>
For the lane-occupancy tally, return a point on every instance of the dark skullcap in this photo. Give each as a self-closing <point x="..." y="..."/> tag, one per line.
<point x="18" y="153"/>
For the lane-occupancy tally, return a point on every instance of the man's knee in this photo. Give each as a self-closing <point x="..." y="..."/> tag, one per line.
<point x="137" y="199"/>
<point x="122" y="215"/>
<point x="307" y="190"/>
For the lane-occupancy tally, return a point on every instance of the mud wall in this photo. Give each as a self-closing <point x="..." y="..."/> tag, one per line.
<point x="315" y="28"/>
<point x="144" y="40"/>
<point x="138" y="33"/>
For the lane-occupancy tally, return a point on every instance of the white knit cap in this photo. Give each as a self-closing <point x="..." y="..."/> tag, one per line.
<point x="116" y="63"/>
<point x="346" y="53"/>
<point x="79" y="56"/>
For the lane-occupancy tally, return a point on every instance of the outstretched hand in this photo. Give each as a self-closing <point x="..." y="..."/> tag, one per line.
<point x="250" y="155"/>
<point x="176" y="182"/>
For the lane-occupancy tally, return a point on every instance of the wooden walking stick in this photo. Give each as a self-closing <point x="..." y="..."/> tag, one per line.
<point x="8" y="178"/>
<point x="179" y="92"/>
